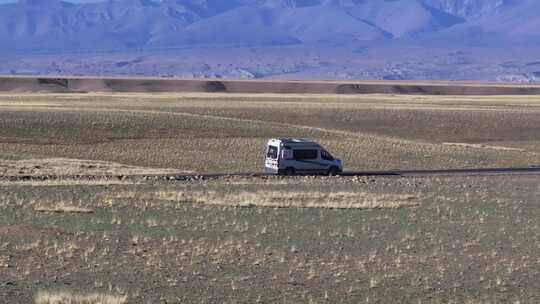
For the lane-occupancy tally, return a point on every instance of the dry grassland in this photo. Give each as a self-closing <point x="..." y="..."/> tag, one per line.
<point x="195" y="132"/>
<point x="276" y="199"/>
<point x="482" y="146"/>
<point x="45" y="297"/>
<point x="271" y="239"/>
<point x="65" y="182"/>
<point x="63" y="207"/>
<point x="72" y="167"/>
<point x="429" y="240"/>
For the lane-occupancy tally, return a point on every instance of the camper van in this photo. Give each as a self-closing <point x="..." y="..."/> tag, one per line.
<point x="290" y="156"/>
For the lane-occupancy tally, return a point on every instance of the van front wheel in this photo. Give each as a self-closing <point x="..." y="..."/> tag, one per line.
<point x="333" y="171"/>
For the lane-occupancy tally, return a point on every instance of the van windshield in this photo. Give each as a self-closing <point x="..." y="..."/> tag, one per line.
<point x="326" y="156"/>
<point x="272" y="152"/>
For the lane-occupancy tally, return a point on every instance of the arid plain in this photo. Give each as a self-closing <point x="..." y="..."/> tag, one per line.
<point x="459" y="239"/>
<point x="227" y="132"/>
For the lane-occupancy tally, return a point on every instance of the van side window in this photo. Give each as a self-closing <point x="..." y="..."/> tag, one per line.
<point x="287" y="153"/>
<point x="305" y="154"/>
<point x="272" y="152"/>
<point x="326" y="156"/>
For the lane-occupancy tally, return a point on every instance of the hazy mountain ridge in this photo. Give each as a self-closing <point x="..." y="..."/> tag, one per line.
<point x="515" y="24"/>
<point x="494" y="40"/>
<point x="471" y="9"/>
<point x="32" y="25"/>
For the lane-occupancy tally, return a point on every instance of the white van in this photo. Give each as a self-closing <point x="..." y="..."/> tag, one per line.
<point x="290" y="156"/>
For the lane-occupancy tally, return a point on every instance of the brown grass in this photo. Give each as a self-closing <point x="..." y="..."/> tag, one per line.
<point x="66" y="166"/>
<point x="63" y="207"/>
<point x="66" y="182"/>
<point x="158" y="244"/>
<point x="192" y="132"/>
<point x="46" y="297"/>
<point x="482" y="146"/>
<point x="4" y="261"/>
<point x="276" y="199"/>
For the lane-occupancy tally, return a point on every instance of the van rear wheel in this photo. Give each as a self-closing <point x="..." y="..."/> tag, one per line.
<point x="333" y="171"/>
<point x="290" y="171"/>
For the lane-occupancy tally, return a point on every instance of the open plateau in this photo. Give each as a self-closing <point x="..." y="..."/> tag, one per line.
<point x="112" y="238"/>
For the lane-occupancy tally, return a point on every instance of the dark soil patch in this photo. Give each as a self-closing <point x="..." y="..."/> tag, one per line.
<point x="23" y="230"/>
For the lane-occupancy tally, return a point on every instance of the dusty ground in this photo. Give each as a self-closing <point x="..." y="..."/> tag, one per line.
<point x="429" y="240"/>
<point x="227" y="133"/>
<point x="268" y="240"/>
<point x="72" y="167"/>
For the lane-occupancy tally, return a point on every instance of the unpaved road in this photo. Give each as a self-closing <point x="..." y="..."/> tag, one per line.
<point x="205" y="176"/>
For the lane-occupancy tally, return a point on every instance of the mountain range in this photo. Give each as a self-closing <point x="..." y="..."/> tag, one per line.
<point x="54" y="25"/>
<point x="31" y="27"/>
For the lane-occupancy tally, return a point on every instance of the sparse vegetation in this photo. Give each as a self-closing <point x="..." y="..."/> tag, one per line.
<point x="63" y="207"/>
<point x="40" y="134"/>
<point x="45" y="297"/>
<point x="270" y="239"/>
<point x="277" y="199"/>
<point x="467" y="237"/>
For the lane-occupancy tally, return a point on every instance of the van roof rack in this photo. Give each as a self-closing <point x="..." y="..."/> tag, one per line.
<point x="296" y="140"/>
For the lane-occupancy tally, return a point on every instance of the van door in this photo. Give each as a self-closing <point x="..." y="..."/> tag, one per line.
<point x="308" y="161"/>
<point x="272" y="159"/>
<point x="327" y="158"/>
